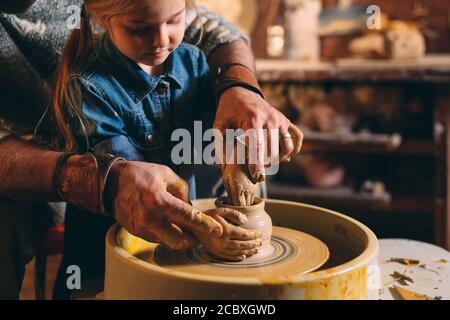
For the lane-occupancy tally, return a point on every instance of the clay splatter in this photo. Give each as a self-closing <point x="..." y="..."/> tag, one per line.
<point x="406" y="262"/>
<point x="401" y="278"/>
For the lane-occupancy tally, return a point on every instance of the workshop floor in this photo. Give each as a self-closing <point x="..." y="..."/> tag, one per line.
<point x="27" y="292"/>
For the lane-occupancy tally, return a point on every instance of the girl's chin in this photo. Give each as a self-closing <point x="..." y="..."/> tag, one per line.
<point x="152" y="62"/>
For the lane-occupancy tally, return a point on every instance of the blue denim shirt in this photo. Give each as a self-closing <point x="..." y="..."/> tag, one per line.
<point x="132" y="114"/>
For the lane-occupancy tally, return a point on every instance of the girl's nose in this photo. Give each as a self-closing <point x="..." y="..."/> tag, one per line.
<point x="161" y="37"/>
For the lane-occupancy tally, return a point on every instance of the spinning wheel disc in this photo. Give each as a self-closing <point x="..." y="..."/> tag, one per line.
<point x="294" y="253"/>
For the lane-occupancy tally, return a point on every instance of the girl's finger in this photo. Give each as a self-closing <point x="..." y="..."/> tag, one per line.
<point x="234" y="190"/>
<point x="230" y="215"/>
<point x="240" y="194"/>
<point x="238" y="233"/>
<point x="248" y="196"/>
<point x="224" y="256"/>
<point x="239" y="253"/>
<point x="242" y="245"/>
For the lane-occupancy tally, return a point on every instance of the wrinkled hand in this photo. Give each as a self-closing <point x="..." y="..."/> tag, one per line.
<point x="151" y="202"/>
<point x="236" y="243"/>
<point x="240" y="108"/>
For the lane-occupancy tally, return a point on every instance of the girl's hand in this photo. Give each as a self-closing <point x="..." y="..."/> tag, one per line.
<point x="240" y="189"/>
<point x="236" y="243"/>
<point x="151" y="202"/>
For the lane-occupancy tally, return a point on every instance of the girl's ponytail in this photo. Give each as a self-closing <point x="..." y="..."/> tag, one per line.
<point x="65" y="102"/>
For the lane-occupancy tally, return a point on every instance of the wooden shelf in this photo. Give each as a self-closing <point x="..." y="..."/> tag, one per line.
<point x="351" y="141"/>
<point x="345" y="198"/>
<point x="432" y="68"/>
<point x="332" y="198"/>
<point x="318" y="142"/>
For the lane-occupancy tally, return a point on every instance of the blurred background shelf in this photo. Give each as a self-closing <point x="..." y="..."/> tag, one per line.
<point x="346" y="198"/>
<point x="319" y="142"/>
<point x="350" y="141"/>
<point x="411" y="156"/>
<point x="432" y="68"/>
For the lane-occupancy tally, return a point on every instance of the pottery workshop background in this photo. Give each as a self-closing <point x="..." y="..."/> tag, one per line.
<point x="371" y="148"/>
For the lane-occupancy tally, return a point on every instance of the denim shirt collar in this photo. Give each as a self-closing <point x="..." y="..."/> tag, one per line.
<point x="138" y="82"/>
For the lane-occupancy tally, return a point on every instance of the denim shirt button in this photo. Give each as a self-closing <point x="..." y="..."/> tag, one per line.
<point x="162" y="88"/>
<point x="151" y="138"/>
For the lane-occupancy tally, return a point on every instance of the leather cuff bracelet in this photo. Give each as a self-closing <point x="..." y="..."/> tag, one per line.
<point x="4" y="136"/>
<point x="80" y="179"/>
<point x="236" y="75"/>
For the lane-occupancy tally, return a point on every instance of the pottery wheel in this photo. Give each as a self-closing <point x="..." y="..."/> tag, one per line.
<point x="294" y="253"/>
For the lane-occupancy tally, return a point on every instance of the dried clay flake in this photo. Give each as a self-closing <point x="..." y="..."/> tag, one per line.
<point x="401" y="278"/>
<point x="411" y="295"/>
<point x="406" y="262"/>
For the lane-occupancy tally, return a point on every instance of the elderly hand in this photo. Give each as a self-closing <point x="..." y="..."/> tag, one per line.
<point x="151" y="202"/>
<point x="236" y="243"/>
<point x="242" y="109"/>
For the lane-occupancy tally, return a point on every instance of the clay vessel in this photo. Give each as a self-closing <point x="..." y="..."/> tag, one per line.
<point x="257" y="219"/>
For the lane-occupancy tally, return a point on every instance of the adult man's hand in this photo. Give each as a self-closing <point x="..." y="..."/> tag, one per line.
<point x="240" y="108"/>
<point x="150" y="201"/>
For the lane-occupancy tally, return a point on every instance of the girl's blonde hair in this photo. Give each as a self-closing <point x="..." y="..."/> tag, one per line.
<point x="66" y="97"/>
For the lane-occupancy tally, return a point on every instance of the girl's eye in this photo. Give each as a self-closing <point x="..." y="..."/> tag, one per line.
<point x="138" y="30"/>
<point x="174" y="21"/>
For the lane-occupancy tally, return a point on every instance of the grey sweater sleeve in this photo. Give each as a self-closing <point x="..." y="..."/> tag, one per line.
<point x="208" y="30"/>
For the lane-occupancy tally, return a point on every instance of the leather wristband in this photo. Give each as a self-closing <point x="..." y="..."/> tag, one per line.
<point x="80" y="179"/>
<point x="236" y="75"/>
<point x="5" y="136"/>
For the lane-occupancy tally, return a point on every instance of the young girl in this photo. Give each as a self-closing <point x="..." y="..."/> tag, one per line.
<point x="128" y="92"/>
<point x="125" y="94"/>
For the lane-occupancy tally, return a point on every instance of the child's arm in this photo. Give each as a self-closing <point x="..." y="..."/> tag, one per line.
<point x="101" y="125"/>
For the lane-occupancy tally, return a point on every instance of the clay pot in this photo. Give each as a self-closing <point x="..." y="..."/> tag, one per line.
<point x="257" y="219"/>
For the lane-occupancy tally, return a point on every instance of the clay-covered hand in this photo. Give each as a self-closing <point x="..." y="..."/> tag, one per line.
<point x="241" y="190"/>
<point x="236" y="243"/>
<point x="243" y="109"/>
<point x="151" y="202"/>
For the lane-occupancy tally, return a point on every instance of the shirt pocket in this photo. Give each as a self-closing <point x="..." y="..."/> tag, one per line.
<point x="185" y="108"/>
<point x="142" y="132"/>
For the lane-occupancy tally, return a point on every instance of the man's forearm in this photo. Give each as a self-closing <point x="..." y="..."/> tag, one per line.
<point x="31" y="173"/>
<point x="237" y="51"/>
<point x="27" y="171"/>
<point x="233" y="67"/>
